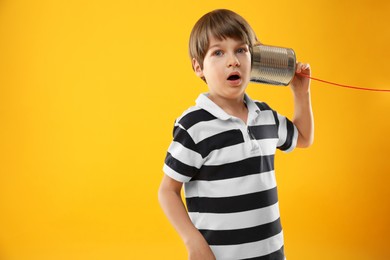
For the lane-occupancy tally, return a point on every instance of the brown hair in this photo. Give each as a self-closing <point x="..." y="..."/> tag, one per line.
<point x="221" y="24"/>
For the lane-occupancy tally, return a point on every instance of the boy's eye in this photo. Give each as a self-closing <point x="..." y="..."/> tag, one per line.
<point x="241" y="50"/>
<point x="218" y="53"/>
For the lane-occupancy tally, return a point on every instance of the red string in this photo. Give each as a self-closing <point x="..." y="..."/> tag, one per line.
<point x="344" y="86"/>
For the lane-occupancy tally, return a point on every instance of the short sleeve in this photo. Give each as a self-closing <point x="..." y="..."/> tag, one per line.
<point x="288" y="134"/>
<point x="182" y="161"/>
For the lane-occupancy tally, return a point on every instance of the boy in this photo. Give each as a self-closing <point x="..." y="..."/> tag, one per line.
<point x="223" y="150"/>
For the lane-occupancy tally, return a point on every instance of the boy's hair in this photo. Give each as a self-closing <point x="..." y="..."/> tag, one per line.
<point x="221" y="24"/>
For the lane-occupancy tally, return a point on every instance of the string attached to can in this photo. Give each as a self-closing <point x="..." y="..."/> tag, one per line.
<point x="274" y="65"/>
<point x="342" y="85"/>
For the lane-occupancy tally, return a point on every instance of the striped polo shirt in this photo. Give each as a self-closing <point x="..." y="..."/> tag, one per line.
<point x="227" y="168"/>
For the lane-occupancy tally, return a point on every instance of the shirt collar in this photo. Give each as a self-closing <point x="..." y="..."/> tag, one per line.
<point x="207" y="104"/>
<point x="253" y="109"/>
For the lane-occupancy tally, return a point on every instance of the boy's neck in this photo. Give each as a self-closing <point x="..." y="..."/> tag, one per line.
<point x="234" y="107"/>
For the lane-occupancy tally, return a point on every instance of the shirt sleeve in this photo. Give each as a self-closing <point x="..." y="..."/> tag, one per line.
<point x="288" y="134"/>
<point x="182" y="161"/>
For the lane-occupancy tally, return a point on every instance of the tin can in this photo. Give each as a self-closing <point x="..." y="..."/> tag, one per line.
<point x="272" y="65"/>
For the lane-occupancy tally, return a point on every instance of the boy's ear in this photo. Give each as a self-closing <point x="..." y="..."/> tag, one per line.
<point x="197" y="68"/>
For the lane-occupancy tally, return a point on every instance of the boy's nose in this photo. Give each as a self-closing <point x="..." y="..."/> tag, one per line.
<point x="233" y="61"/>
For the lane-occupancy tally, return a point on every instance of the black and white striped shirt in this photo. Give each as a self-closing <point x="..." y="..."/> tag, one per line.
<point x="227" y="168"/>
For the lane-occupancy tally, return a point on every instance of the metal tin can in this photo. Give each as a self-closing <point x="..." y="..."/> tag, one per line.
<point x="272" y="65"/>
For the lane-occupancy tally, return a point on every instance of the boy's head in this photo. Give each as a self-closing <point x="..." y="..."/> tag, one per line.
<point x="220" y="24"/>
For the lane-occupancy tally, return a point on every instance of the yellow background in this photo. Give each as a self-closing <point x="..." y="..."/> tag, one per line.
<point x="89" y="91"/>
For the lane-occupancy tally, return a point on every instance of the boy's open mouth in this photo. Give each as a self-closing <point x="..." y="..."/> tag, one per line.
<point x="234" y="77"/>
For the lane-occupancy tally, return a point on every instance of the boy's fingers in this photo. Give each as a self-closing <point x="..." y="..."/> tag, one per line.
<point x="306" y="66"/>
<point x="302" y="67"/>
<point x="299" y="67"/>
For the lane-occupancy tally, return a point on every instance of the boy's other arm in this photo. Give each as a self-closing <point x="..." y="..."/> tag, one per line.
<point x="173" y="207"/>
<point x="303" y="114"/>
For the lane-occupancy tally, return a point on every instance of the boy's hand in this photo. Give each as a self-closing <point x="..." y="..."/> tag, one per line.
<point x="198" y="249"/>
<point x="301" y="84"/>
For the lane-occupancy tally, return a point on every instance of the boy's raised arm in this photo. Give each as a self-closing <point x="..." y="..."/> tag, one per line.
<point x="303" y="114"/>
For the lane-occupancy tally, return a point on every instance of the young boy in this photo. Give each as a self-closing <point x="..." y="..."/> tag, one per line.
<point x="223" y="150"/>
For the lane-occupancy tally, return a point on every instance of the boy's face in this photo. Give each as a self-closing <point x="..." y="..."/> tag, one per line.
<point x="226" y="68"/>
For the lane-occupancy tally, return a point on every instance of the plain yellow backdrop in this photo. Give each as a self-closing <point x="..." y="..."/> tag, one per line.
<point x="89" y="91"/>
